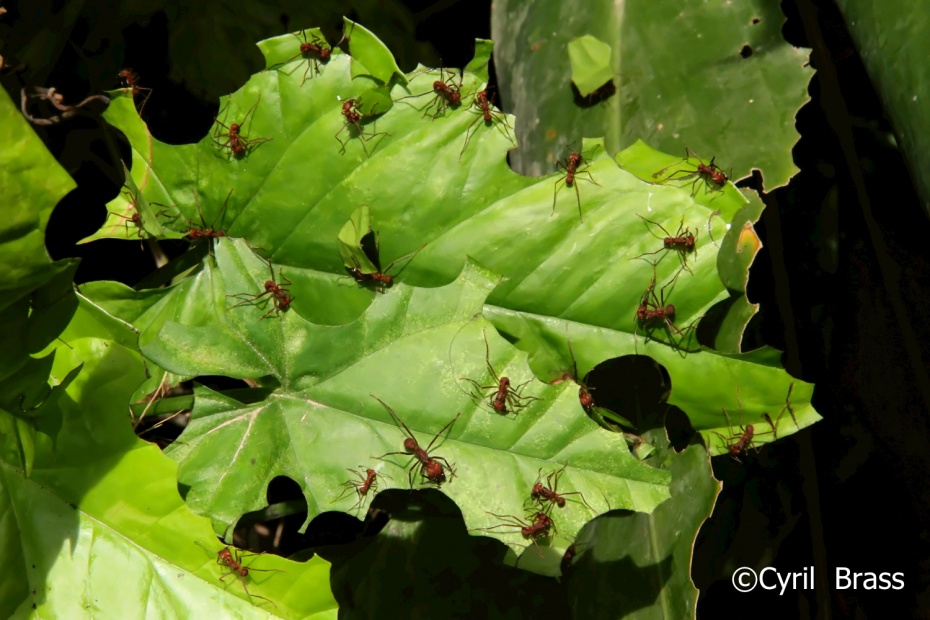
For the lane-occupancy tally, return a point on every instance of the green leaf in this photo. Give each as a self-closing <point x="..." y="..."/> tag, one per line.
<point x="369" y="55"/>
<point x="332" y="344"/>
<point x="648" y="554"/>
<point x="37" y="298"/>
<point x="681" y="79"/>
<point x="334" y="369"/>
<point x="703" y="382"/>
<point x="351" y="238"/>
<point x="103" y="507"/>
<point x="130" y="217"/>
<point x="590" y="60"/>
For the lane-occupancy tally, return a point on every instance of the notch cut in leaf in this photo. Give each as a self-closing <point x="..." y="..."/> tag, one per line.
<point x="591" y="63"/>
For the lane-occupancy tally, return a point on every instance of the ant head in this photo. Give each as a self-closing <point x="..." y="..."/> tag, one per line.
<point x="384" y="278"/>
<point x="371" y="473"/>
<point x="435" y="473"/>
<point x="325" y="53"/>
<point x="537" y="489"/>
<point x="270" y="285"/>
<point x="455" y="98"/>
<point x="500" y="406"/>
<point x="584" y="396"/>
<point x="670" y="310"/>
<point x="749" y="430"/>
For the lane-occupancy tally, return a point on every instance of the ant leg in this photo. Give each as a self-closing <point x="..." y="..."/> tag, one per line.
<point x="555" y="195"/>
<point x="441" y="431"/>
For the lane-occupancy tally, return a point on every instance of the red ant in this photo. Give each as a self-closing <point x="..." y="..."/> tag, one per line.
<point x="682" y="242"/>
<point x="366" y="482"/>
<point x="232" y="559"/>
<point x="541" y="494"/>
<point x="380" y="278"/>
<point x="281" y="299"/>
<point x="740" y="443"/>
<point x="135" y="219"/>
<point x="236" y="144"/>
<point x="713" y="177"/>
<point x="193" y="232"/>
<point x="572" y="174"/>
<point x="433" y="468"/>
<point x="447" y="94"/>
<point x="652" y="309"/>
<point x="486" y="113"/>
<point x="568" y="557"/>
<point x="354" y="118"/>
<point x="539" y="527"/>
<point x="316" y="51"/>
<point x="504" y="398"/>
<point x="131" y="78"/>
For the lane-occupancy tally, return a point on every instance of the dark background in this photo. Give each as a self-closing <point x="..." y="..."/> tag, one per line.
<point x="842" y="281"/>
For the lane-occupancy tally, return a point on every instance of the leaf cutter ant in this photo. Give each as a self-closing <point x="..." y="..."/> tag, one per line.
<point x="653" y="309"/>
<point x="135" y="219"/>
<point x="433" y="468"/>
<point x="488" y="114"/>
<point x="712" y="175"/>
<point x="380" y="278"/>
<point x="741" y="442"/>
<point x="231" y="558"/>
<point x="545" y="496"/>
<point x="193" y="232"/>
<point x="573" y="173"/>
<point x="367" y="481"/>
<point x="316" y="52"/>
<point x="131" y="79"/>
<point x="354" y="119"/>
<point x="236" y="144"/>
<point x="682" y="243"/>
<point x="280" y="297"/>
<point x="538" y="527"/>
<point x="446" y="94"/>
<point x="504" y="398"/>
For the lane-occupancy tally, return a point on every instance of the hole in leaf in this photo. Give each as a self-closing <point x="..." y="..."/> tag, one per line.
<point x="634" y="387"/>
<point x="274" y="529"/>
<point x="605" y="92"/>
<point x="678" y="428"/>
<point x="746" y="51"/>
